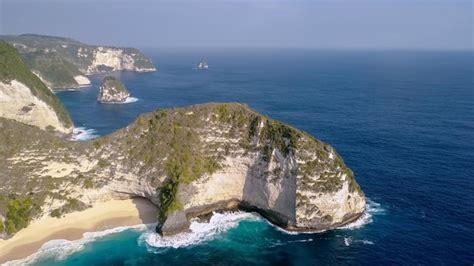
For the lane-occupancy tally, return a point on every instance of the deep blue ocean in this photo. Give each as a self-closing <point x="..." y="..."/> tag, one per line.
<point x="402" y="120"/>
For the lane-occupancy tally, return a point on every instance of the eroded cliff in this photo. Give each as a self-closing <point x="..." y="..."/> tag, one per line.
<point x="189" y="162"/>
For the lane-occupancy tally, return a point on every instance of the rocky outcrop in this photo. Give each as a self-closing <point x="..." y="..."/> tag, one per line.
<point x="59" y="60"/>
<point x="189" y="162"/>
<point x="112" y="90"/>
<point x="24" y="98"/>
<point x="176" y="222"/>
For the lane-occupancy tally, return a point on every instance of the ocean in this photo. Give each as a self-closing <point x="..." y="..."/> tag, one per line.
<point x="402" y="120"/>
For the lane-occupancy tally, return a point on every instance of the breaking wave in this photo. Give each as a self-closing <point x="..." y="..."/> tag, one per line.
<point x="83" y="134"/>
<point x="371" y="208"/>
<point x="199" y="231"/>
<point x="60" y="249"/>
<point x="131" y="100"/>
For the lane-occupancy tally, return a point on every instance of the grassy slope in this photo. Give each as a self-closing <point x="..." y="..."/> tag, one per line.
<point x="53" y="68"/>
<point x="12" y="67"/>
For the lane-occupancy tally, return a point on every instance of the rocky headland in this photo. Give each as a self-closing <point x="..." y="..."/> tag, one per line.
<point x="62" y="63"/>
<point x="189" y="162"/>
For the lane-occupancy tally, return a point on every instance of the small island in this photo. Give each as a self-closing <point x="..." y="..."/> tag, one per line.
<point x="112" y="90"/>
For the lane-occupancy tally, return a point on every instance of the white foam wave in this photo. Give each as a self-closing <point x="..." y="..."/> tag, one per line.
<point x="347" y="241"/>
<point x="365" y="242"/>
<point x="199" y="231"/>
<point x="83" y="134"/>
<point x="371" y="208"/>
<point x="59" y="249"/>
<point x="131" y="100"/>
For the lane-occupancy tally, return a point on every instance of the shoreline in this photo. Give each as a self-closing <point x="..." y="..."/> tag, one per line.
<point x="102" y="216"/>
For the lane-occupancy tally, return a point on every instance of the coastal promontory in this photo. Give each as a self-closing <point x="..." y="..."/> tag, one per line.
<point x="189" y="162"/>
<point x="62" y="63"/>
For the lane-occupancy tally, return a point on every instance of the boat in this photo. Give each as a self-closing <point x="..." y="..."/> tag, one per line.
<point x="202" y="65"/>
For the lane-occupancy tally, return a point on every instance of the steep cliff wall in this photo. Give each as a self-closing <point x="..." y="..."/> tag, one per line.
<point x="23" y="97"/>
<point x="187" y="161"/>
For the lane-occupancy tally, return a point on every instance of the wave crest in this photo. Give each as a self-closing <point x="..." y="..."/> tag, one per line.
<point x="371" y="208"/>
<point x="83" y="134"/>
<point x="131" y="100"/>
<point x="199" y="231"/>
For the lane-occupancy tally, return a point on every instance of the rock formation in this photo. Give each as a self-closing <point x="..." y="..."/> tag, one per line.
<point x="112" y="90"/>
<point x="58" y="61"/>
<point x="189" y="162"/>
<point x="24" y="98"/>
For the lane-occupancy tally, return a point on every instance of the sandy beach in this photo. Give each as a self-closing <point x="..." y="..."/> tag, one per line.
<point x="102" y="216"/>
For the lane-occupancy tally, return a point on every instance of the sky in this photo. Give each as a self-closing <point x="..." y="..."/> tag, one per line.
<point x="328" y="24"/>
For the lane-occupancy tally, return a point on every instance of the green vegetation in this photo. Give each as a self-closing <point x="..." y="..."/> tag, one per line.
<point x="18" y="214"/>
<point x="70" y="206"/>
<point x="88" y="183"/>
<point x="12" y="67"/>
<point x="277" y="135"/>
<point x="53" y="68"/>
<point x="113" y="84"/>
<point x="103" y="163"/>
<point x="56" y="213"/>
<point x="168" y="200"/>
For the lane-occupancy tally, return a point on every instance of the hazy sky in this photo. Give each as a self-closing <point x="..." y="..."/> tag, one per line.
<point x="355" y="24"/>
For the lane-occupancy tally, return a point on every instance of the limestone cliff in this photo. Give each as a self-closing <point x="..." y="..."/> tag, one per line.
<point x="112" y="90"/>
<point x="59" y="60"/>
<point x="23" y="97"/>
<point x="189" y="162"/>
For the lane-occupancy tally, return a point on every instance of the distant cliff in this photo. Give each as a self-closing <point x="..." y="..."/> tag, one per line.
<point x="189" y="162"/>
<point x="23" y="97"/>
<point x="62" y="62"/>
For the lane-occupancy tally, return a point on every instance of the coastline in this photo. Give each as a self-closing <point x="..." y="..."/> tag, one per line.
<point x="102" y="216"/>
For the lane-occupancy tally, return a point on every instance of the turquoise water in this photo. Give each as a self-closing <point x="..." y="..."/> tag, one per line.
<point x="403" y="121"/>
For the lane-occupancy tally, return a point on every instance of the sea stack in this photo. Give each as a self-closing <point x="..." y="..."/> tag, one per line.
<point x="112" y="90"/>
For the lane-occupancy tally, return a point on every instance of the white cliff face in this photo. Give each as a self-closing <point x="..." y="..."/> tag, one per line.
<point x="278" y="189"/>
<point x="18" y="103"/>
<point x="115" y="59"/>
<point x="304" y="190"/>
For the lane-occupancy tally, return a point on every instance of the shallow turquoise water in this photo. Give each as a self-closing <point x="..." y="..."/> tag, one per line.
<point x="403" y="121"/>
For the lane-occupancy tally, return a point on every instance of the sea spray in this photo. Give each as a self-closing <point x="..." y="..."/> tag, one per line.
<point x="83" y="134"/>
<point x="131" y="100"/>
<point x="199" y="231"/>
<point x="371" y="208"/>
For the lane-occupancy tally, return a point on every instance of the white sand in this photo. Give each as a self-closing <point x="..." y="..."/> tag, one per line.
<point x="72" y="226"/>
